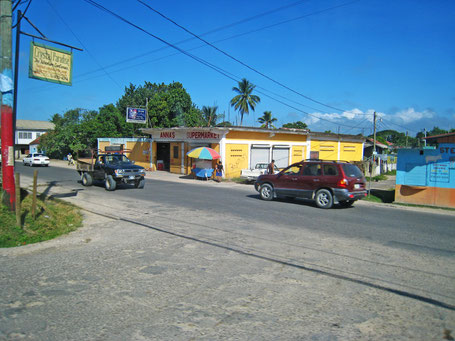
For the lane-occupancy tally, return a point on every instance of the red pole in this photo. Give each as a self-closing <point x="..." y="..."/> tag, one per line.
<point x="9" y="189"/>
<point x="6" y="87"/>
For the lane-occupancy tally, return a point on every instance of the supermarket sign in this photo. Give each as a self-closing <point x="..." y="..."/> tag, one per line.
<point x="50" y="64"/>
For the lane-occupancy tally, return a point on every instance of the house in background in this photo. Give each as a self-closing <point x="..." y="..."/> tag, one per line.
<point x="383" y="162"/>
<point x="26" y="132"/>
<point x="381" y="148"/>
<point x="33" y="147"/>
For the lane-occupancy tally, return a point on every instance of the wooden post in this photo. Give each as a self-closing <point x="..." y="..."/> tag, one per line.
<point x="35" y="185"/>
<point x="18" y="200"/>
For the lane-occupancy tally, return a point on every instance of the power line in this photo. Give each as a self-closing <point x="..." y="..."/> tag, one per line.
<point x="216" y="41"/>
<point x="88" y="51"/>
<point x="239" y="61"/>
<point x="202" y="61"/>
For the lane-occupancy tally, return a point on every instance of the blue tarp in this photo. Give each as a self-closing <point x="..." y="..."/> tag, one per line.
<point x="203" y="172"/>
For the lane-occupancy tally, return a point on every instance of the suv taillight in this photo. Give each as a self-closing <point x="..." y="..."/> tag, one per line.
<point x="343" y="183"/>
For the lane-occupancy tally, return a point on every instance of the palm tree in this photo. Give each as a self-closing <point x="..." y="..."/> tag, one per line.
<point x="210" y="115"/>
<point x="244" y="101"/>
<point x="267" y="120"/>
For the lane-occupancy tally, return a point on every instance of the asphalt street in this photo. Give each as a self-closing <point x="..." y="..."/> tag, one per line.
<point x="186" y="260"/>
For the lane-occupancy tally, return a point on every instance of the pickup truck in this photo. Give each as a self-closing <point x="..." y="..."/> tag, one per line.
<point x="113" y="169"/>
<point x="259" y="169"/>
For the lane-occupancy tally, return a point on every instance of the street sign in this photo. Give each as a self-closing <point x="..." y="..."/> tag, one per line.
<point x="50" y="64"/>
<point x="136" y="115"/>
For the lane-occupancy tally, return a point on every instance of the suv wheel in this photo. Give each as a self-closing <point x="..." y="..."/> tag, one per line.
<point x="110" y="183"/>
<point x="324" y="198"/>
<point x="266" y="192"/>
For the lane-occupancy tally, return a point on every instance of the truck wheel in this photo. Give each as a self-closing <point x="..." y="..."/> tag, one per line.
<point x="110" y="183"/>
<point x="324" y="198"/>
<point x="266" y="192"/>
<point x="139" y="183"/>
<point x="87" y="179"/>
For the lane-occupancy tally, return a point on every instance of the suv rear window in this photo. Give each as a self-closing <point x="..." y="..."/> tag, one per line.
<point x="330" y="170"/>
<point x="352" y="171"/>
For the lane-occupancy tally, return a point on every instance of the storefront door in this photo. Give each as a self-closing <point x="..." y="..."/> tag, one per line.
<point x="163" y="155"/>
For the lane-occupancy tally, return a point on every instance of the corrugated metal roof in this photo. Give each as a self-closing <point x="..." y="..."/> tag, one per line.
<point x="34" y="125"/>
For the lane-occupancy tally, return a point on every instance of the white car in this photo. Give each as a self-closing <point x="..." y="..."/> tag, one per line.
<point x="259" y="169"/>
<point x="36" y="159"/>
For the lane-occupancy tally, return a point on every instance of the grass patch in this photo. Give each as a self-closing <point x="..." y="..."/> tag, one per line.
<point x="376" y="178"/>
<point x="392" y="172"/>
<point x="53" y="218"/>
<point x="372" y="198"/>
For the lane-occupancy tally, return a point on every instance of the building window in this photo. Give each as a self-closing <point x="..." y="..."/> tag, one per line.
<point x="176" y="152"/>
<point x="38" y="134"/>
<point x="25" y="135"/>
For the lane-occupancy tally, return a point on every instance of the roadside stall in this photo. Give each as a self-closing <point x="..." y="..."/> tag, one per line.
<point x="202" y="167"/>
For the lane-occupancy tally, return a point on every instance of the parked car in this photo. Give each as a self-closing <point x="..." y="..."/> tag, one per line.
<point x="36" y="159"/>
<point x="259" y="169"/>
<point x="325" y="182"/>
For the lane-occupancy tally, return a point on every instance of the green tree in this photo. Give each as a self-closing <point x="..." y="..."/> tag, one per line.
<point x="168" y="105"/>
<point x="210" y="116"/>
<point x="267" y="120"/>
<point x="436" y="131"/>
<point x="296" y="125"/>
<point x="224" y="124"/>
<point x="66" y="134"/>
<point x="245" y="100"/>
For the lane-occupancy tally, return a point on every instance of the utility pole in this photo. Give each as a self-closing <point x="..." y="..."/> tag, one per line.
<point x="425" y="134"/>
<point x="406" y="139"/>
<point x="6" y="87"/>
<point x="374" y="151"/>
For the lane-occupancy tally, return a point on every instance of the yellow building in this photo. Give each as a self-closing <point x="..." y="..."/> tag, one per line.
<point x="242" y="148"/>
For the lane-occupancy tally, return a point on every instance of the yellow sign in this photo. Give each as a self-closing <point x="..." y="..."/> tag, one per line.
<point x="50" y="64"/>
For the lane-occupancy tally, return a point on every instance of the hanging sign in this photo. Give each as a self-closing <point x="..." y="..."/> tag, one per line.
<point x="50" y="64"/>
<point x="136" y="115"/>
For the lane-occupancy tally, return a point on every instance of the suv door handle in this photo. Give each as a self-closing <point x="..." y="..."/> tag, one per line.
<point x="294" y="179"/>
<point x="316" y="180"/>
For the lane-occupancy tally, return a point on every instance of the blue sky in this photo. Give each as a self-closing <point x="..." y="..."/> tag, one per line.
<point x="355" y="57"/>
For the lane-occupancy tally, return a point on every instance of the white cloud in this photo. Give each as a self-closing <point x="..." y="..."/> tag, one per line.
<point x="410" y="115"/>
<point x="357" y="120"/>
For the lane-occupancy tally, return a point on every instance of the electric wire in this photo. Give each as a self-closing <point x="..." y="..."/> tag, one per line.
<point x="200" y="60"/>
<point x="239" y="61"/>
<point x="23" y="14"/>
<point x="85" y="47"/>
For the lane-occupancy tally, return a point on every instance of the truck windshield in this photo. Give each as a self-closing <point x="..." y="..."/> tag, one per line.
<point x="113" y="159"/>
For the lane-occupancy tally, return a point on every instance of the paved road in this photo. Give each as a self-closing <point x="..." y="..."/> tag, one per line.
<point x="185" y="259"/>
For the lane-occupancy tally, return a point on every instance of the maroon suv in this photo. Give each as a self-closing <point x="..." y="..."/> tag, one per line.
<point x="325" y="182"/>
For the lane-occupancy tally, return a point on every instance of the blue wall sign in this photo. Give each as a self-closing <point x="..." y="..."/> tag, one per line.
<point x="427" y="167"/>
<point x="136" y="115"/>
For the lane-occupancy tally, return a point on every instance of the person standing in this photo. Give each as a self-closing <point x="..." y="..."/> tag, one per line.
<point x="218" y="171"/>
<point x="70" y="159"/>
<point x="271" y="167"/>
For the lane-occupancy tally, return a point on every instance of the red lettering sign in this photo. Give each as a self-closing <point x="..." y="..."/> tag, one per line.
<point x="202" y="135"/>
<point x="167" y="135"/>
<point x="447" y="150"/>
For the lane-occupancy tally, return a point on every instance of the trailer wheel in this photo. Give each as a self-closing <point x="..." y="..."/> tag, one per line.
<point x="87" y="179"/>
<point x="110" y="183"/>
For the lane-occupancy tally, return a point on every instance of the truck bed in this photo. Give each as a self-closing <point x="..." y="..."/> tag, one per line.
<point x="84" y="164"/>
